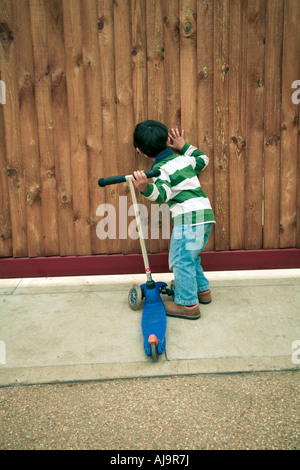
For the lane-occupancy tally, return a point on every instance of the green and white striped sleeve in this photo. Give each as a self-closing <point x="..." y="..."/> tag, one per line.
<point x="201" y="160"/>
<point x="161" y="190"/>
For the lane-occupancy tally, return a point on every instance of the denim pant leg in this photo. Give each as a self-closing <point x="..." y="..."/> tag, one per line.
<point x="202" y="281"/>
<point x="181" y="262"/>
<point x="186" y="244"/>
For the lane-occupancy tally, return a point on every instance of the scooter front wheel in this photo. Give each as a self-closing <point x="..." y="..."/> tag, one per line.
<point x="135" y="297"/>
<point x="153" y="347"/>
<point x="154" y="352"/>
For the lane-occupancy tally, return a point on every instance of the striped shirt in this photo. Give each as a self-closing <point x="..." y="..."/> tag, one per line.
<point x="178" y="185"/>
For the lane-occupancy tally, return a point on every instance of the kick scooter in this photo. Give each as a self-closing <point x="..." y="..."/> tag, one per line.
<point x="154" y="320"/>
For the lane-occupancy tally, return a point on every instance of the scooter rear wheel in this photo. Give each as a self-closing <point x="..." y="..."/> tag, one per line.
<point x="135" y="297"/>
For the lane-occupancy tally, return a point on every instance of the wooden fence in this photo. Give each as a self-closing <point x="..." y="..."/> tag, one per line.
<point x="79" y="74"/>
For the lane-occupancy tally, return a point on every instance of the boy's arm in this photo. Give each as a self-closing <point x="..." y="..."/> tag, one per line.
<point x="160" y="191"/>
<point x="201" y="159"/>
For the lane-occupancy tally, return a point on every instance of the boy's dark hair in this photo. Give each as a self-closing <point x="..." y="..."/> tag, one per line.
<point x="150" y="137"/>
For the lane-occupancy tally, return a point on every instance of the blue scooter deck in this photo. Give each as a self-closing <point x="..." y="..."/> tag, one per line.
<point x="154" y="318"/>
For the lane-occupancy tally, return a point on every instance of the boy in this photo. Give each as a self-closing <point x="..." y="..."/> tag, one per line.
<point x="193" y="218"/>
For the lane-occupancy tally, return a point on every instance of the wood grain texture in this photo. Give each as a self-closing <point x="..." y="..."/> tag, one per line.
<point x="80" y="74"/>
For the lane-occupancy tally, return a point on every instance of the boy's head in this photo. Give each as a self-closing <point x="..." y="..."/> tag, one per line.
<point x="150" y="137"/>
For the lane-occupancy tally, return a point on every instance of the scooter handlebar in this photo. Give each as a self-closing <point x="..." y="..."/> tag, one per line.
<point x="122" y="178"/>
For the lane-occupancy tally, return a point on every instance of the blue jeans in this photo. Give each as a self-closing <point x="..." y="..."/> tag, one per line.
<point x="187" y="242"/>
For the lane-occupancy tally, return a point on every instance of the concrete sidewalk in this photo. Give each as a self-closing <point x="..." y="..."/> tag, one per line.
<point x="81" y="328"/>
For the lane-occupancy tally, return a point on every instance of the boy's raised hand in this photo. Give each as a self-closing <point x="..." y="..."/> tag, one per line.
<point x="177" y="139"/>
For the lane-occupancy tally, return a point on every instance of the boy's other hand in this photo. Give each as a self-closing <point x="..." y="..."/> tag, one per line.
<point x="177" y="140"/>
<point x="140" y="181"/>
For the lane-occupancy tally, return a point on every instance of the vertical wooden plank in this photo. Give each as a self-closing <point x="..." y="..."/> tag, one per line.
<point x="255" y="88"/>
<point x="237" y="75"/>
<point x="60" y="176"/>
<point x="140" y="85"/>
<point x="255" y="122"/>
<point x="15" y="165"/>
<point x="139" y="60"/>
<point x="109" y="111"/>
<point x="5" y="223"/>
<point x="221" y="104"/>
<point x="139" y="67"/>
<point x="298" y="142"/>
<point x="42" y="79"/>
<point x="188" y="69"/>
<point x="289" y="125"/>
<point x="155" y="54"/>
<point x="171" y="56"/>
<point x="28" y="127"/>
<point x="156" y="81"/>
<point x="272" y="132"/>
<point x="298" y="169"/>
<point x="76" y="105"/>
<point x="124" y="100"/>
<point x="205" y="73"/>
<point x="124" y="91"/>
<point x="93" y="117"/>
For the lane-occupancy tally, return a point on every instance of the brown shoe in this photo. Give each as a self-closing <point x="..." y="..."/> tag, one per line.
<point x="182" y="311"/>
<point x="205" y="297"/>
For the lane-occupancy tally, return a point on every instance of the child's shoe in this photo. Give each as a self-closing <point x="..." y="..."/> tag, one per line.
<point x="182" y="311"/>
<point x="205" y="297"/>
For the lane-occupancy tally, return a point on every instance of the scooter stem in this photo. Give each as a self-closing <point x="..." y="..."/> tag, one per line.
<point x="139" y="227"/>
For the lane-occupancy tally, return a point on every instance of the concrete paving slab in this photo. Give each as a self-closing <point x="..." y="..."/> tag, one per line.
<point x="240" y="322"/>
<point x="8" y="286"/>
<point x="81" y="328"/>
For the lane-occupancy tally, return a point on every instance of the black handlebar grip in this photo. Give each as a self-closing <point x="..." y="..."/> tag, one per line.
<point x="122" y="178"/>
<point x="152" y="173"/>
<point x="111" y="180"/>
